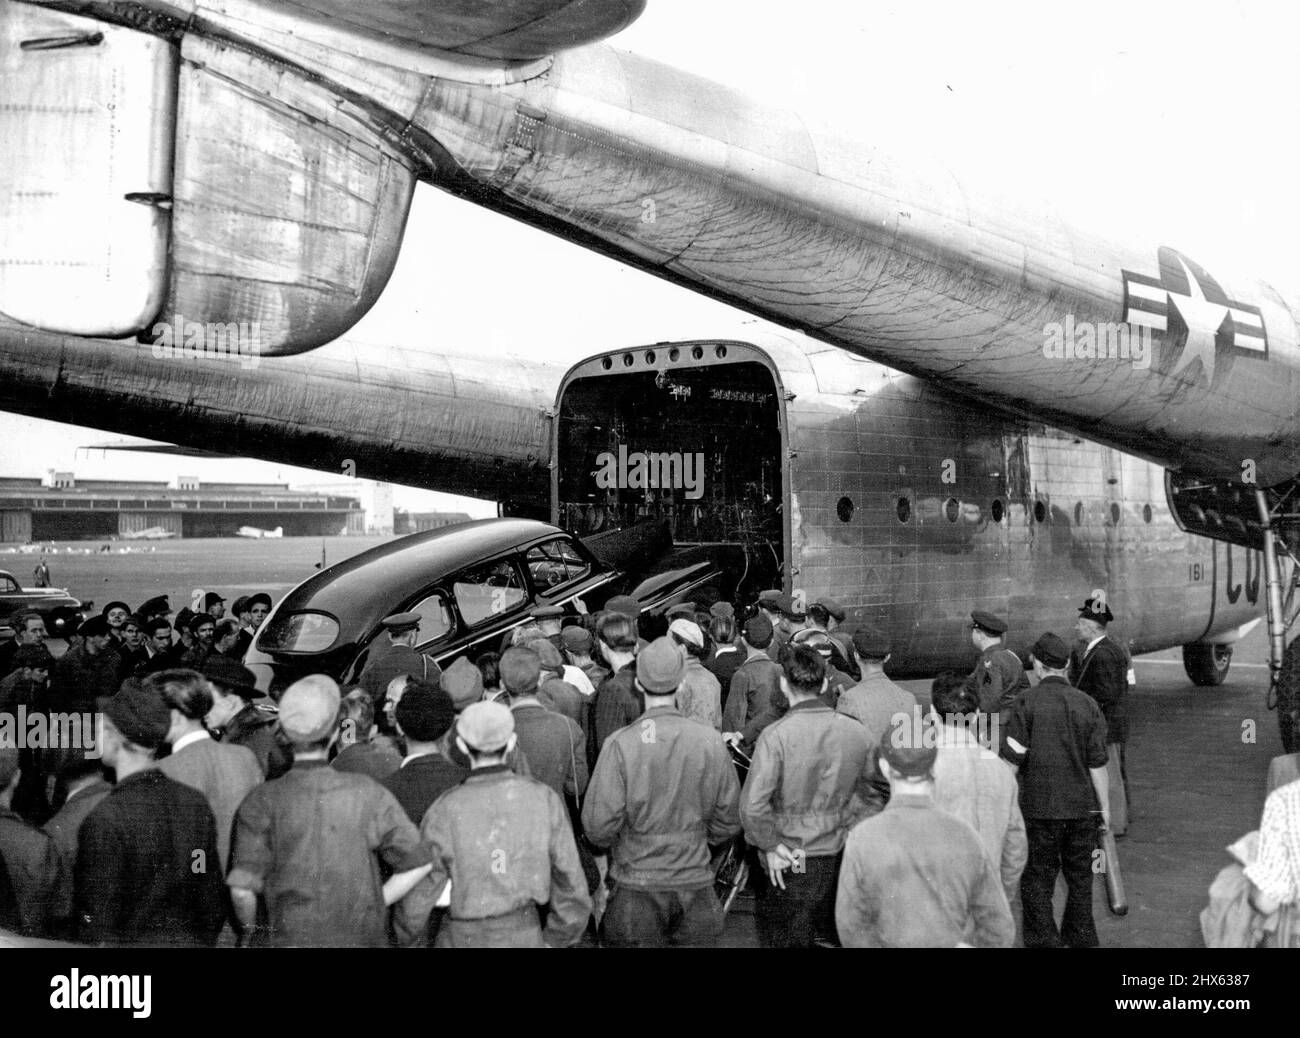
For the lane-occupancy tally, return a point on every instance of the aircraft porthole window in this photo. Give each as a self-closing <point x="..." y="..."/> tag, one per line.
<point x="1078" y="513"/>
<point x="1114" y="514"/>
<point x="1040" y="512"/>
<point x="844" y="509"/>
<point x="951" y="509"/>
<point x="720" y="352"/>
<point x="1146" y="513"/>
<point x="628" y="360"/>
<point x="649" y="356"/>
<point x="674" y="354"/>
<point x="607" y="363"/>
<point x="996" y="510"/>
<point x="697" y="353"/>
<point x="904" y="509"/>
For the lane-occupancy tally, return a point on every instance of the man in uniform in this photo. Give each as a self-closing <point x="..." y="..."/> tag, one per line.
<point x="396" y="658"/>
<point x="999" y="675"/>
<point x="508" y="844"/>
<point x="663" y="790"/>
<point x="1099" y="666"/>
<point x="802" y="796"/>
<point x="1057" y="736"/>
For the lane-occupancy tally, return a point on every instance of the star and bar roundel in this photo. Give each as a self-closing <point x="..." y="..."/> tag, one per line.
<point x="1194" y="312"/>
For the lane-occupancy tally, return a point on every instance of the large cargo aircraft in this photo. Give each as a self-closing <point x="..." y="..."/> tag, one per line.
<point x="197" y="237"/>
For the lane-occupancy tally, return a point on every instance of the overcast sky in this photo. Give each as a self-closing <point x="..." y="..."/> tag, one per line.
<point x="1167" y="122"/>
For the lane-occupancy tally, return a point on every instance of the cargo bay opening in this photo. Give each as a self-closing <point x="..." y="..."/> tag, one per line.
<point x="688" y="435"/>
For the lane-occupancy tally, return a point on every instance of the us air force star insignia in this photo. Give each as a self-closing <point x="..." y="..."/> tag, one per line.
<point x="1194" y="311"/>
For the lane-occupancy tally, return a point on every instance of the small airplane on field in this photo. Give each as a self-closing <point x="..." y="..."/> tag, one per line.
<point x="256" y="534"/>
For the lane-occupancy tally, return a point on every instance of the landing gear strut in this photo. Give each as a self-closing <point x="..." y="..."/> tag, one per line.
<point x="1283" y="660"/>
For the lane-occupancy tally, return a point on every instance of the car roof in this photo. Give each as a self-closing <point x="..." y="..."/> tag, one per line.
<point x="369" y="586"/>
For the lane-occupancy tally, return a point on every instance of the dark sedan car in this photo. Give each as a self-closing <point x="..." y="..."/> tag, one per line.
<point x="470" y="583"/>
<point x="58" y="608"/>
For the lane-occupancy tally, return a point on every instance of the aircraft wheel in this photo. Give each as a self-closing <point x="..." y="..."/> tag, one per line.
<point x="1207" y="665"/>
<point x="1288" y="698"/>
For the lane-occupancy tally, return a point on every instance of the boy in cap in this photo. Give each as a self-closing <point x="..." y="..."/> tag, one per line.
<point x="424" y="714"/>
<point x="577" y="644"/>
<point x="999" y="676"/>
<point x="1100" y="666"/>
<point x="700" y="694"/>
<point x="755" y="699"/>
<point x="663" y="790"/>
<point x="805" y="790"/>
<point x="504" y="844"/>
<point x="1057" y="736"/>
<point x="148" y="870"/>
<point x="913" y="876"/>
<point x="308" y="844"/>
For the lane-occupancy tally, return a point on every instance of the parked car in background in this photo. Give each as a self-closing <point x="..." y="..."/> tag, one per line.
<point x="470" y="584"/>
<point x="58" y="608"/>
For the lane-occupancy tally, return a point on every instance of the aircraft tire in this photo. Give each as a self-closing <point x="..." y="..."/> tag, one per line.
<point x="1207" y="665"/>
<point x="1288" y="698"/>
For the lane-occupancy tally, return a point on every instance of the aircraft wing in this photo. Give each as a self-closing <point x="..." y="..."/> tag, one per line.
<point x="510" y="30"/>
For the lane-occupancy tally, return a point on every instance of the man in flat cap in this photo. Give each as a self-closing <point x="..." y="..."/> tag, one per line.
<point x="1057" y="736"/>
<point x="663" y="790"/>
<point x="999" y="675"/>
<point x="578" y="646"/>
<point x="875" y="700"/>
<point x="504" y="846"/>
<point x="394" y="654"/>
<point x="1100" y="666"/>
<point x="914" y="876"/>
<point x="85" y="673"/>
<point x="755" y="698"/>
<point x="826" y="615"/>
<point x="307" y="844"/>
<point x="700" y="694"/>
<point x="158" y="606"/>
<point x="148" y="870"/>
<point x="214" y="605"/>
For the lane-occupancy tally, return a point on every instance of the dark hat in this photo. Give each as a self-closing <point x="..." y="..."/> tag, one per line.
<point x="833" y="609"/>
<point x="140" y="715"/>
<point x="546" y="612"/>
<point x="198" y="620"/>
<point x="686" y="609"/>
<point x="722" y="610"/>
<point x="114" y="605"/>
<point x="182" y="621"/>
<point x="230" y="675"/>
<point x="425" y="713"/>
<point x="261" y="598"/>
<point x="791" y="605"/>
<point x="988" y="622"/>
<point x="156" y="606"/>
<point x="576" y="639"/>
<point x="33" y="656"/>
<point x="1095" y="608"/>
<point x="659" y="667"/>
<point x="1051" y="651"/>
<point x="624" y="604"/>
<point x="240" y="605"/>
<point x="872" y="643"/>
<point x="758" y="631"/>
<point x="95" y="627"/>
<point x="819" y="641"/>
<point x="211" y="599"/>
<point x="399" y="622"/>
<point x="908" y="747"/>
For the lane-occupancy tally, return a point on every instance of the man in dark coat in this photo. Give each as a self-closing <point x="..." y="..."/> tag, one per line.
<point x="1099" y="666"/>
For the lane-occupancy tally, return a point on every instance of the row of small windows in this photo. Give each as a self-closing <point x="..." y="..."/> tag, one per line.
<point x="844" y="508"/>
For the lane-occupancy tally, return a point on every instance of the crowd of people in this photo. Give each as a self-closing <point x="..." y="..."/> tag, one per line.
<point x="578" y="785"/>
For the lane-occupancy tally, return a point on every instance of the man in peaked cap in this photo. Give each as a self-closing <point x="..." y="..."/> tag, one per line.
<point x="155" y="607"/>
<point x="1057" y="736"/>
<point x="999" y="675"/>
<point x="914" y="875"/>
<point x="508" y="841"/>
<point x="214" y="605"/>
<point x="135" y="880"/>
<point x="392" y="654"/>
<point x="305" y="844"/>
<point x="663" y="790"/>
<point x="1100" y="666"/>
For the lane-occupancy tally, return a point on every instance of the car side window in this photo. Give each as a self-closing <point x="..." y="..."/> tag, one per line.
<point x="488" y="590"/>
<point x="435" y="617"/>
<point x="555" y="563"/>
<point x="8" y="585"/>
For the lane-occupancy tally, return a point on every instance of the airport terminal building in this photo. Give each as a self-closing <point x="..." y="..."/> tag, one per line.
<point x="62" y="507"/>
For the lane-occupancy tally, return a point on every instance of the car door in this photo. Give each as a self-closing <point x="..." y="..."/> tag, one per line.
<point x="561" y="573"/>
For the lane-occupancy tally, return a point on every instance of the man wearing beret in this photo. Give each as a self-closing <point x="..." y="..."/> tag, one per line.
<point x="663" y="790"/>
<point x="148" y="870"/>
<point x="804" y="792"/>
<point x="1100" y="667"/>
<point x="999" y="675"/>
<point x="308" y="844"/>
<point x="1057" y="736"/>
<point x="755" y="699"/>
<point x="914" y="876"/>
<point x="397" y="657"/>
<point x="502" y="850"/>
